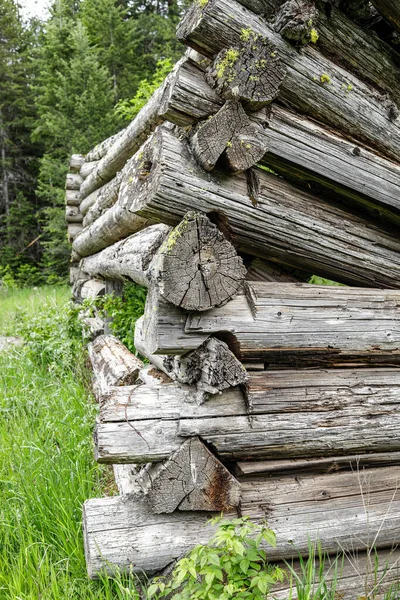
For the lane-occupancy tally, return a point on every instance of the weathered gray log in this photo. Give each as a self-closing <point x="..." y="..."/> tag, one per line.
<point x="72" y="197"/>
<point x="92" y="327"/>
<point x="101" y="200"/>
<point x="250" y="71"/>
<point x="288" y="414"/>
<point x="131" y="258"/>
<point x="264" y="270"/>
<point x="87" y="288"/>
<point x="112" y="363"/>
<point x="390" y="10"/>
<point x="318" y="236"/>
<point x="73" y="230"/>
<point x="87" y="168"/>
<point x="73" y="181"/>
<point x="332" y="464"/>
<point x="73" y="214"/>
<point x="197" y="268"/>
<point x="192" y="479"/>
<point x="341" y="512"/>
<point x="75" y="163"/>
<point x="295" y="21"/>
<point x="75" y="273"/>
<point x="126" y="479"/>
<point x="313" y="84"/>
<point x="101" y="149"/>
<point x="210" y="367"/>
<point x="301" y="324"/>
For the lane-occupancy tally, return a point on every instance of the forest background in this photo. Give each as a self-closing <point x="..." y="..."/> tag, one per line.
<point x="66" y="84"/>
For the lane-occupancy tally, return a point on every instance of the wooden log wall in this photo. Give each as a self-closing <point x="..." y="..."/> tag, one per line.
<point x="269" y="154"/>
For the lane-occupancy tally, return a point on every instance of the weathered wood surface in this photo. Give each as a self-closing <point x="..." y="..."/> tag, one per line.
<point x="305" y="324"/>
<point x="331" y="464"/>
<point x="101" y="149"/>
<point x="112" y="363"/>
<point x="75" y="163"/>
<point x="87" y="288"/>
<point x="101" y="200"/>
<point x="131" y="258"/>
<point x="390" y="10"/>
<point x="73" y="214"/>
<point x="319" y="236"/>
<point x="87" y="202"/>
<point x="75" y="273"/>
<point x="288" y="414"/>
<point x="342" y="511"/>
<point x="73" y="181"/>
<point x="126" y="479"/>
<point x="87" y="168"/>
<point x="191" y="479"/>
<point x="92" y="327"/>
<point x="263" y="270"/>
<point x="73" y="230"/>
<point x="360" y="114"/>
<point x="72" y="197"/>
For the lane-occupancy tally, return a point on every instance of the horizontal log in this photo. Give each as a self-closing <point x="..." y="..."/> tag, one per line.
<point x="112" y="363"/>
<point x="101" y="200"/>
<point x="92" y="327"/>
<point x="87" y="168"/>
<point x="88" y="288"/>
<point x="390" y="10"/>
<point x="73" y="181"/>
<point x="88" y="202"/>
<point x="314" y="85"/>
<point x="308" y="324"/>
<point x="263" y="270"/>
<point x="101" y="149"/>
<point x="73" y="214"/>
<point x="73" y="229"/>
<point x="288" y="414"/>
<point x="285" y="223"/>
<point x="329" y="509"/>
<point x="72" y="197"/>
<point x="75" y="163"/>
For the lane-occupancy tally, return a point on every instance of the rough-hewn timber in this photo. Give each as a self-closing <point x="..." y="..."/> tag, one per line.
<point x="112" y="363"/>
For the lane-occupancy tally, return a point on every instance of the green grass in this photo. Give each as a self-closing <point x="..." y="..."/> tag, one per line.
<point x="47" y="469"/>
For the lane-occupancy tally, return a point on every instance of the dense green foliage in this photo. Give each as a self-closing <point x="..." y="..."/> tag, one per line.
<point x="65" y="85"/>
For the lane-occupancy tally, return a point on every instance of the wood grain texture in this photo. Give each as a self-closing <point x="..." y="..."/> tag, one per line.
<point x="73" y="181"/>
<point x="360" y="115"/>
<point x="390" y="10"/>
<point x="286" y="224"/>
<point x="263" y="270"/>
<point x="291" y="414"/>
<point x="87" y="288"/>
<point x="87" y="168"/>
<point x="75" y="163"/>
<point x="342" y="511"/>
<point x="101" y="200"/>
<point x="101" y="149"/>
<point x="112" y="363"/>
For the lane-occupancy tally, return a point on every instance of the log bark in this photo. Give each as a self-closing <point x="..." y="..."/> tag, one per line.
<point x="328" y="510"/>
<point x="129" y="259"/>
<point x="313" y="85"/>
<point x="87" y="288"/>
<point x="72" y="197"/>
<point x="290" y="414"/>
<point x="192" y="479"/>
<point x="75" y="163"/>
<point x="300" y="324"/>
<point x="250" y="72"/>
<point x="112" y="363"/>
<point x="390" y="10"/>
<point x="101" y="200"/>
<point x="73" y="214"/>
<point x="318" y="236"/>
<point x="87" y="168"/>
<point x="73" y="181"/>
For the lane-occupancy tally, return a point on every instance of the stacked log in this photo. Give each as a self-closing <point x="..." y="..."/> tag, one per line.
<point x="275" y="146"/>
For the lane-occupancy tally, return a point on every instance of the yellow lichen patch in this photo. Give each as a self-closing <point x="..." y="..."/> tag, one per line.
<point x="325" y="78"/>
<point x="247" y="34"/>
<point x="227" y="63"/>
<point x="314" y="36"/>
<point x="202" y="3"/>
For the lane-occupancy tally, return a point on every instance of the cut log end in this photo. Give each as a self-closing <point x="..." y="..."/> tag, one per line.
<point x="250" y="72"/>
<point x="197" y="268"/>
<point x="191" y="479"/>
<point x="296" y="21"/>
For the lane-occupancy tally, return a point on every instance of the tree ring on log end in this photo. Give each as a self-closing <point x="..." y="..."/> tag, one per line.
<point x="197" y="268"/>
<point x="251" y="72"/>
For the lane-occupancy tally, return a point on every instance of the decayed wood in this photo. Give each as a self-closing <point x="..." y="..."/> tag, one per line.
<point x="87" y="288"/>
<point x="319" y="236"/>
<point x="197" y="268"/>
<point x="318" y="465"/>
<point x="73" y="230"/>
<point x="87" y="168"/>
<point x="131" y="258"/>
<point x="126" y="479"/>
<point x="72" y="197"/>
<point x="75" y="163"/>
<point x="92" y="327"/>
<point x="341" y="511"/>
<point x="211" y="367"/>
<point x="288" y="414"/>
<point x="101" y="149"/>
<point x="264" y="270"/>
<point x="73" y="214"/>
<point x="192" y="479"/>
<point x="73" y="181"/>
<point x="296" y="20"/>
<point x="307" y="324"/>
<point x="314" y="84"/>
<point x="250" y="71"/>
<point x="75" y="273"/>
<point x="101" y="200"/>
<point x="390" y="10"/>
<point x="112" y="363"/>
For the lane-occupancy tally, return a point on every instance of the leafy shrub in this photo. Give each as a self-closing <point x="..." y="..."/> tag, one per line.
<point x="231" y="565"/>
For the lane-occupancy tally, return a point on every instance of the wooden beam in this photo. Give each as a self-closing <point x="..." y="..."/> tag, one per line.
<point x="112" y="363"/>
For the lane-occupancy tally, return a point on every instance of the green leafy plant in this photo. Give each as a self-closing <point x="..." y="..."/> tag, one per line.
<point x="232" y="565"/>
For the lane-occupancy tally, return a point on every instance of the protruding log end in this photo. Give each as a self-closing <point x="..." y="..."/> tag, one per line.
<point x="251" y="72"/>
<point x="197" y="267"/>
<point x="191" y="479"/>
<point x="296" y="21"/>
